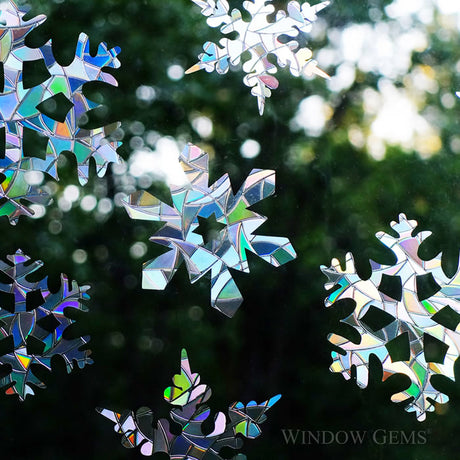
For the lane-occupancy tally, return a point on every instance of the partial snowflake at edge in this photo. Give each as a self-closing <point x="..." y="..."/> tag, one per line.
<point x="44" y="323"/>
<point x="188" y="396"/>
<point x="18" y="111"/>
<point x="407" y="318"/>
<point x="260" y="38"/>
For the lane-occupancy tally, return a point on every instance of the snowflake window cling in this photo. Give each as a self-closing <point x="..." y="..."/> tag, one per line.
<point x="409" y="317"/>
<point x="195" y="199"/>
<point x="188" y="395"/>
<point x="260" y="38"/>
<point x="24" y="324"/>
<point x="19" y="110"/>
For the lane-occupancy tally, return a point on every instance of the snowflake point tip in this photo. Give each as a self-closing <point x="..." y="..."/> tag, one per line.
<point x="194" y="68"/>
<point x="228" y="306"/>
<point x="183" y="354"/>
<point x="272" y="401"/>
<point x="322" y="73"/>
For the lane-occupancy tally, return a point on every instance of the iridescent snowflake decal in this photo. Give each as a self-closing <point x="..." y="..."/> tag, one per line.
<point x="226" y="249"/>
<point x="19" y="110"/>
<point x="397" y="312"/>
<point x="33" y="317"/>
<point x="189" y="395"/>
<point x="283" y="38"/>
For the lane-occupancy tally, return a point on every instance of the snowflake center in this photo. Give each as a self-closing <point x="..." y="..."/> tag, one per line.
<point x="209" y="228"/>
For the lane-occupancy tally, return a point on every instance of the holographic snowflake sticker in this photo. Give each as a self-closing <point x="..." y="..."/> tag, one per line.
<point x="19" y="110"/>
<point x="189" y="395"/>
<point x="226" y="249"/>
<point x="397" y="313"/>
<point x="33" y="317"/>
<point x="282" y="38"/>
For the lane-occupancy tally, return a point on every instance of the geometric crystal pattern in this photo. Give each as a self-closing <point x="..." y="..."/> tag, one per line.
<point x="227" y="249"/>
<point x="414" y="318"/>
<point x="188" y="396"/>
<point x="284" y="38"/>
<point x="23" y="324"/>
<point x="18" y="111"/>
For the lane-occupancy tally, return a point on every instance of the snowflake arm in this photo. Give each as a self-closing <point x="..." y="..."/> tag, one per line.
<point x="217" y="13"/>
<point x="260" y="38"/>
<point x="67" y="135"/>
<point x="136" y="428"/>
<point x="412" y="317"/>
<point x="193" y="199"/>
<point x="187" y="395"/>
<point x="15" y="188"/>
<point x="19" y="110"/>
<point x="45" y="323"/>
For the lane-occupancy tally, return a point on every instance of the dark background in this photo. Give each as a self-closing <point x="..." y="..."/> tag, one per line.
<point x="332" y="197"/>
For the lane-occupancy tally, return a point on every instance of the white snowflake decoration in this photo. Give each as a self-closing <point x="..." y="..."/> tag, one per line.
<point x="260" y="38"/>
<point x="437" y="316"/>
<point x="228" y="248"/>
<point x="19" y="110"/>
